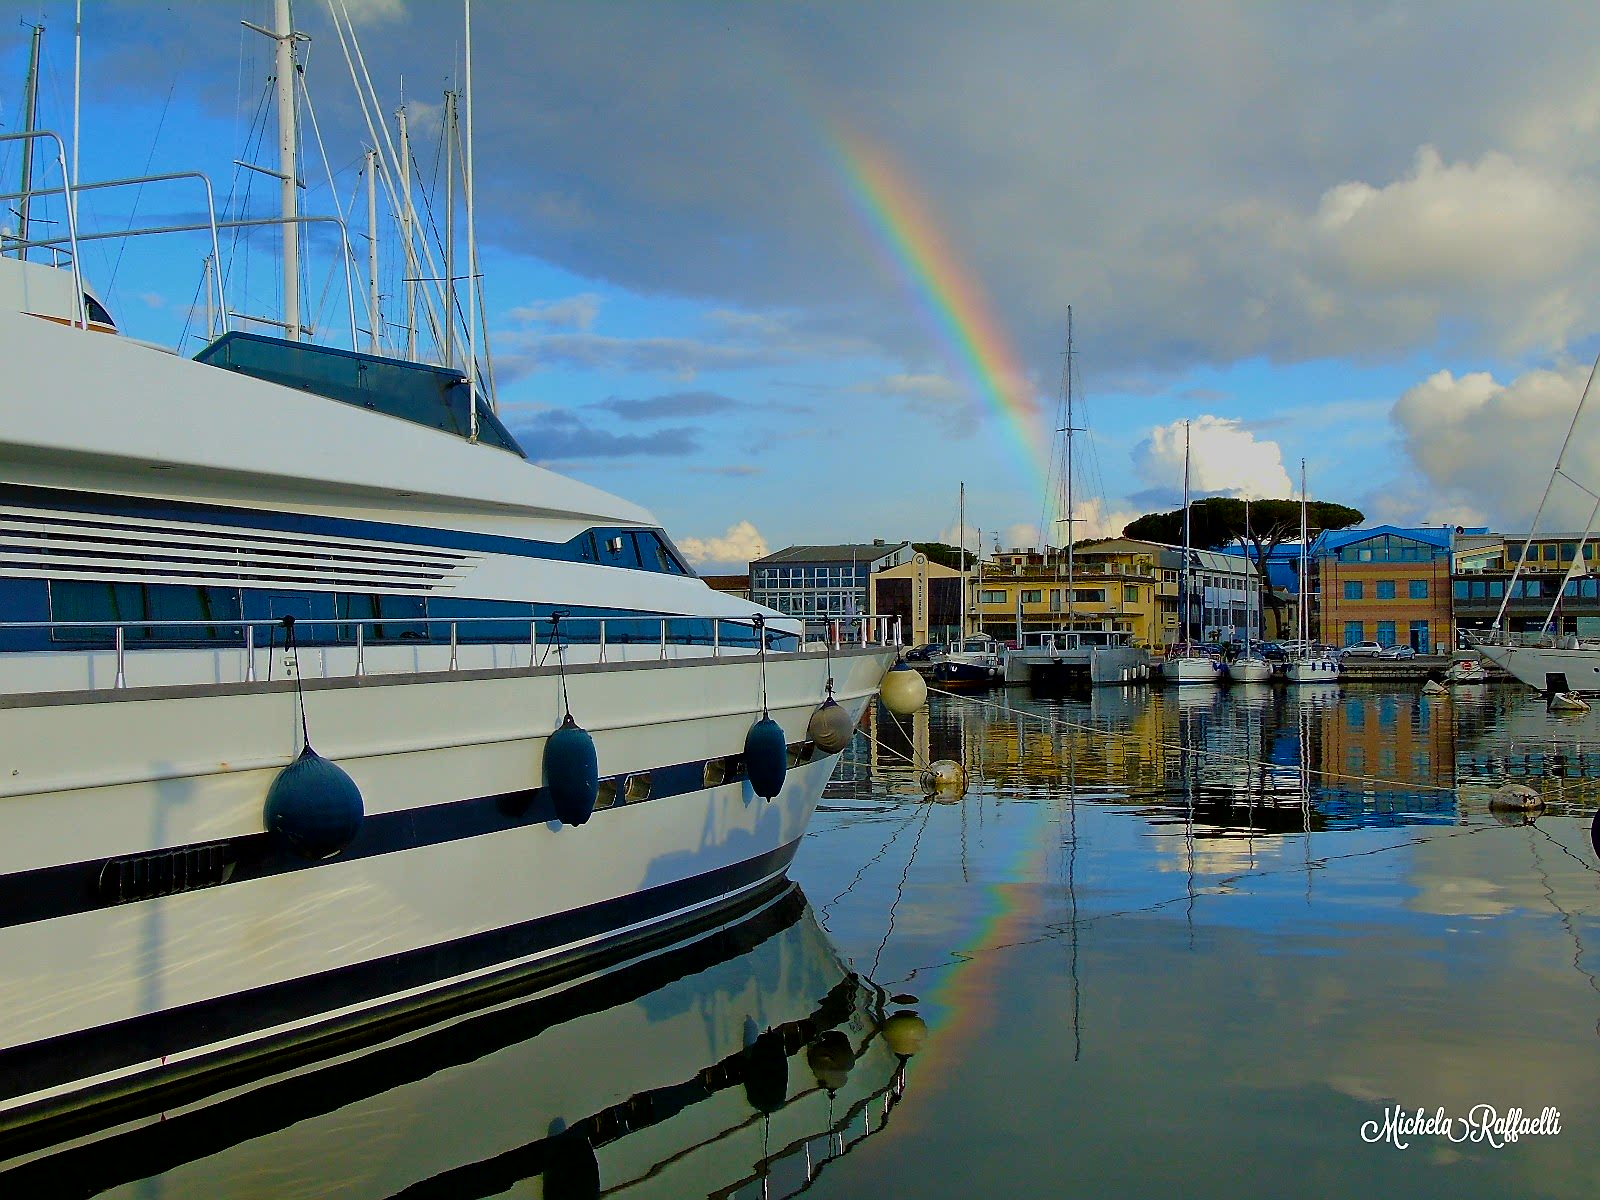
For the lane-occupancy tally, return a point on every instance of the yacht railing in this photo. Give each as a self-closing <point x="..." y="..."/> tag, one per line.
<point x="389" y="645"/>
<point x="1533" y="639"/>
<point x="72" y="219"/>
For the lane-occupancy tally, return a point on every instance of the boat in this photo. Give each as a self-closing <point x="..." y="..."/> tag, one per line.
<point x="973" y="662"/>
<point x="1073" y="656"/>
<point x="1466" y="671"/>
<point x="1308" y="662"/>
<point x="1185" y="662"/>
<point x="322" y="705"/>
<point x="752" y="1052"/>
<point x="1251" y="666"/>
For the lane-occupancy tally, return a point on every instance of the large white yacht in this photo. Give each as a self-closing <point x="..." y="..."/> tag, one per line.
<point x="210" y="565"/>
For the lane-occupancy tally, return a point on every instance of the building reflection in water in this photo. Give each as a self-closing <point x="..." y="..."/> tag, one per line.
<point x="740" y="1063"/>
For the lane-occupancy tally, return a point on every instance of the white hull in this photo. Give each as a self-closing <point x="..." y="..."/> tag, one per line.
<point x="1191" y="668"/>
<point x="1312" y="670"/>
<point x="1546" y="669"/>
<point x="616" y="1070"/>
<point x="1098" y="665"/>
<point x="459" y="872"/>
<point x="1250" y="670"/>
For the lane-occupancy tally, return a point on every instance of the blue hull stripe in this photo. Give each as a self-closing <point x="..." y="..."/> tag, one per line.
<point x="46" y="893"/>
<point x="60" y="1060"/>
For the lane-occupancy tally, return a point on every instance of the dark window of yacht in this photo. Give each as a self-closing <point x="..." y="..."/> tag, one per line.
<point x="89" y="600"/>
<point x="23" y="600"/>
<point x="96" y="311"/>
<point x="383" y="618"/>
<point x="496" y="620"/>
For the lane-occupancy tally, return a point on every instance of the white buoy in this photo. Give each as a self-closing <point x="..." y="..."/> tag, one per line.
<point x="1568" y="702"/>
<point x="1515" y="797"/>
<point x="902" y="690"/>
<point x="945" y="775"/>
<point x="1434" y="688"/>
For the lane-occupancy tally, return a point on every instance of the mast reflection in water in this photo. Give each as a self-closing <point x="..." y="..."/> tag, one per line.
<point x="740" y="1063"/>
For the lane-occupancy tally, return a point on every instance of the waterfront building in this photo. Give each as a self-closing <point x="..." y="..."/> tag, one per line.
<point x="1543" y="591"/>
<point x="1385" y="584"/>
<point x="924" y="596"/>
<point x="1120" y="585"/>
<point x="823" y="582"/>
<point x="737" y="586"/>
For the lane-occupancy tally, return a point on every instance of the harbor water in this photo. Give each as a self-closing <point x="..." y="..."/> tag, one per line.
<point x="1252" y="942"/>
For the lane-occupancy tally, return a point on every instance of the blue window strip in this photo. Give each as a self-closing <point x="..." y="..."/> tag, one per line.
<point x="654" y="553"/>
<point x="325" y="618"/>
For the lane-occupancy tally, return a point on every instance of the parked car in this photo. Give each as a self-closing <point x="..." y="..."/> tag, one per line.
<point x="924" y="653"/>
<point x="1363" y="650"/>
<point x="1272" y="652"/>
<point x="1398" y="652"/>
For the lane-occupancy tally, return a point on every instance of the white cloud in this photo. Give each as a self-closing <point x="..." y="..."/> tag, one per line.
<point x="575" y="312"/>
<point x="736" y="548"/>
<point x="1224" y="459"/>
<point x="1487" y="448"/>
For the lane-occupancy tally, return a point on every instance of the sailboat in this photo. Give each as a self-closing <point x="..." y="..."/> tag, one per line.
<point x="1308" y="664"/>
<point x="1184" y="663"/>
<point x="1250" y="666"/>
<point x="1073" y="655"/>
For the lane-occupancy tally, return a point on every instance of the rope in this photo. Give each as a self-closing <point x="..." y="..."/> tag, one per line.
<point x="299" y="685"/>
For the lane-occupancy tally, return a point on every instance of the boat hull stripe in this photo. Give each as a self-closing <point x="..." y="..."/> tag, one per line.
<point x="47" y="893"/>
<point x="86" y="1053"/>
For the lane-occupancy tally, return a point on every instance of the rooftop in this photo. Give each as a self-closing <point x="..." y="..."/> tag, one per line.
<point x="858" y="552"/>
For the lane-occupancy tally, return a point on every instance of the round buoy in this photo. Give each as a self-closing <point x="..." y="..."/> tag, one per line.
<point x="905" y="1032"/>
<point x="766" y="757"/>
<point x="766" y="1072"/>
<point x="1515" y="797"/>
<point x="571" y="772"/>
<point x="314" y="806"/>
<point x="831" y="727"/>
<point x="1594" y="834"/>
<point x="945" y="775"/>
<point x="830" y="1059"/>
<point x="902" y="690"/>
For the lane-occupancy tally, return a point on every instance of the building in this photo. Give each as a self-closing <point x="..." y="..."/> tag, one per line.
<point x="1385" y="584"/>
<point x="1543" y="595"/>
<point x="737" y="586"/>
<point x="925" y="596"/>
<point x="823" y="582"/>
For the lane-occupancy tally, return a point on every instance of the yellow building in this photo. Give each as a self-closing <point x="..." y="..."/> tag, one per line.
<point x="925" y="596"/>
<point x="1114" y="587"/>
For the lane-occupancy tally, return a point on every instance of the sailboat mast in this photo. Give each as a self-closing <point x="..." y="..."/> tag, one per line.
<point x="1305" y="559"/>
<point x="30" y="115"/>
<point x="1072" y="619"/>
<point x="1183" y="576"/>
<point x="407" y="223"/>
<point x="283" y="33"/>
<point x="961" y="548"/>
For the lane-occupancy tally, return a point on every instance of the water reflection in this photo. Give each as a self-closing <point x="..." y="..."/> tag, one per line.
<point x="741" y="1064"/>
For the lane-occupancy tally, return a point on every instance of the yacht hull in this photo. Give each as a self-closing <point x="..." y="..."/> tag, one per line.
<point x="1191" y="669"/>
<point x="151" y="928"/>
<point x="1548" y="669"/>
<point x="1097" y="665"/>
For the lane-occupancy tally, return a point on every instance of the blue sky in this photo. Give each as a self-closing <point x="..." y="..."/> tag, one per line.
<point x="1366" y="236"/>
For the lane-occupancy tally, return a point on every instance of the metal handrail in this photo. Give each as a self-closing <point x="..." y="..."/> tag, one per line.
<point x="139" y="181"/>
<point x="72" y="219"/>
<point x="886" y="629"/>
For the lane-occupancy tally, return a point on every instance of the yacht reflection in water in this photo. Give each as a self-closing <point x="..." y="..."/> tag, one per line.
<point x="739" y="1063"/>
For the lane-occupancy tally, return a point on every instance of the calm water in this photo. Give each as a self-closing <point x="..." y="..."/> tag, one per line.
<point x="1181" y="945"/>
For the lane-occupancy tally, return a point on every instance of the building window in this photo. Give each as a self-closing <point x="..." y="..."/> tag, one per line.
<point x="1353" y="631"/>
<point x="1419" y="637"/>
<point x="1417" y="589"/>
<point x="1033" y="595"/>
<point x="1352" y="591"/>
<point x="1549" y="552"/>
<point x="988" y="597"/>
<point x="1385" y="589"/>
<point x="1130" y="593"/>
<point x="1386" y="633"/>
<point x="1568" y="550"/>
<point x="1458" y="589"/>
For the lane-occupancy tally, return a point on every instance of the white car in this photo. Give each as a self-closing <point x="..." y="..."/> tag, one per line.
<point x="1363" y="650"/>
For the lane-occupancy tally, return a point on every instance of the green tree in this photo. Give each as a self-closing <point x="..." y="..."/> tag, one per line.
<point x="1220" y="521"/>
<point x="944" y="555"/>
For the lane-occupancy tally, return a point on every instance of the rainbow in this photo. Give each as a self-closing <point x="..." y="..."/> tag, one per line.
<point x="949" y="297"/>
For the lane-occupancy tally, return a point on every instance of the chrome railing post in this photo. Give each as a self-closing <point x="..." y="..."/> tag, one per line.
<point x="249" y="653"/>
<point x="602" y="641"/>
<point x="122" y="679"/>
<point x="716" y="638"/>
<point x="361" y="649"/>
<point x="533" y="643"/>
<point x="453" y="645"/>
<point x="663" y="638"/>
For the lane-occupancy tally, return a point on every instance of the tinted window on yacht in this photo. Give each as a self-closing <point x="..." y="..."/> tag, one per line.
<point x="23" y="600"/>
<point x="383" y="617"/>
<point x="91" y="600"/>
<point x="496" y="620"/>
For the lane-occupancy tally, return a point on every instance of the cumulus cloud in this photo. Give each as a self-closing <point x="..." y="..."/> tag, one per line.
<point x="675" y="404"/>
<point x="573" y="312"/>
<point x="737" y="548"/>
<point x="1225" y="459"/>
<point x="1487" y="448"/>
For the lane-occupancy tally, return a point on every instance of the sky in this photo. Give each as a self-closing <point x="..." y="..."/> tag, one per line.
<point x="793" y="272"/>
